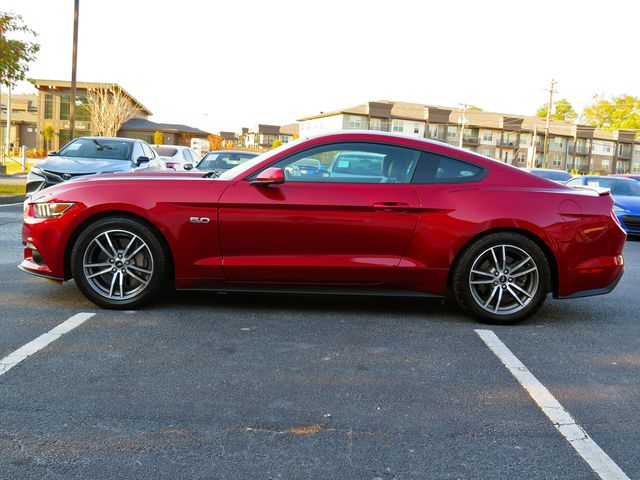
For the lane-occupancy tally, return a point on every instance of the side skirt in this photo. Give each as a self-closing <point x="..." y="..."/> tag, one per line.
<point x="381" y="292"/>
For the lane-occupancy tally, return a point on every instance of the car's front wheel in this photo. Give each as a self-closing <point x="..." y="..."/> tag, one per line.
<point x="501" y="278"/>
<point x="119" y="263"/>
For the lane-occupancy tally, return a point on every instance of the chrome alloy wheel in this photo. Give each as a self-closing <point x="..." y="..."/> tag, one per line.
<point x="118" y="264"/>
<point x="504" y="279"/>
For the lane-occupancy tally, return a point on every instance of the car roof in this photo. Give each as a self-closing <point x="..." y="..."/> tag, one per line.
<point x="234" y="151"/>
<point x="125" y="139"/>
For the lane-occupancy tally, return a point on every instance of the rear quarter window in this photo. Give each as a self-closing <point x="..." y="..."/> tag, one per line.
<point x="434" y="168"/>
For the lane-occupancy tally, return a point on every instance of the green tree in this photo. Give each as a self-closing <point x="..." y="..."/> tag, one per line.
<point x="563" y="111"/>
<point x="158" y="137"/>
<point x="15" y="55"/>
<point x="622" y="111"/>
<point x="276" y="143"/>
<point x="48" y="133"/>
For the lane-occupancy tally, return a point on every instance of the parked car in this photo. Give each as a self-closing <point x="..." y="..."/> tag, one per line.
<point x="632" y="176"/>
<point x="437" y="219"/>
<point x="90" y="156"/>
<point x="221" y="160"/>
<point x="558" y="176"/>
<point x="625" y="193"/>
<point x="176" y="157"/>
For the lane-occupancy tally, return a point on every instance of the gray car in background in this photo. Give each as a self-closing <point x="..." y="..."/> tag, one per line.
<point x="90" y="156"/>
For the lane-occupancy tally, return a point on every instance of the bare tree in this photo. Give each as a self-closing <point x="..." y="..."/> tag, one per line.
<point x="109" y="107"/>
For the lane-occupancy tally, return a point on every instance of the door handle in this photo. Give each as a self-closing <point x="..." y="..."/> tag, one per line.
<point x="391" y="206"/>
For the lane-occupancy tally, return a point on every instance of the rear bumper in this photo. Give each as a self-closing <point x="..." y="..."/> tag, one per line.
<point x="596" y="291"/>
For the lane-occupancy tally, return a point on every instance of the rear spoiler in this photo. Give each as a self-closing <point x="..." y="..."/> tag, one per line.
<point x="602" y="192"/>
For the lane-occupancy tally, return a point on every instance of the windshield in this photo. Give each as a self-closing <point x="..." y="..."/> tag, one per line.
<point x="166" y="151"/>
<point x="224" y="160"/>
<point x="101" y="148"/>
<point x="551" y="175"/>
<point x="617" y="186"/>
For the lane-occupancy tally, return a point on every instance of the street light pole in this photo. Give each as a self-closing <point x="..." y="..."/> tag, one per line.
<point x="546" y="130"/>
<point x="74" y="59"/>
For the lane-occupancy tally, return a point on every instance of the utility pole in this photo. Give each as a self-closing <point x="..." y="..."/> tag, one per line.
<point x="463" y="122"/>
<point x="546" y="130"/>
<point x="533" y="146"/>
<point x="74" y="59"/>
<point x="8" y="132"/>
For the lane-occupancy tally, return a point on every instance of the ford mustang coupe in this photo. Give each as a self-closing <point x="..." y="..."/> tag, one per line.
<point x="392" y="215"/>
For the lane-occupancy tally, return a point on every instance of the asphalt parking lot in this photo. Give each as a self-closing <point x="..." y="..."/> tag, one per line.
<point x="243" y="386"/>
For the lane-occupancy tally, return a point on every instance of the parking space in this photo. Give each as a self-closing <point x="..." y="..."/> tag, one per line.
<point x="261" y="386"/>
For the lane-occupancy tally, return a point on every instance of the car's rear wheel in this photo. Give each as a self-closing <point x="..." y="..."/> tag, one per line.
<point x="119" y="263"/>
<point x="501" y="278"/>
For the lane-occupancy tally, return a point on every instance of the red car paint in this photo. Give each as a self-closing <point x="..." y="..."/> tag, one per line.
<point x="400" y="236"/>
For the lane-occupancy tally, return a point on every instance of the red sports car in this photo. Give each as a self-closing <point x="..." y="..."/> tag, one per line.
<point x="388" y="215"/>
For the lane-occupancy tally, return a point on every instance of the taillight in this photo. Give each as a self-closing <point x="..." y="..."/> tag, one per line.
<point x="615" y="218"/>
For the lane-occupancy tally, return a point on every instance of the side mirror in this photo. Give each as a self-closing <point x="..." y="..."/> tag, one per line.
<point x="140" y="160"/>
<point x="188" y="166"/>
<point x="269" y="176"/>
<point x="52" y="154"/>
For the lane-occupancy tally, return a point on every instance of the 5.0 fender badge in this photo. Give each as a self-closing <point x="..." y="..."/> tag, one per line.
<point x="199" y="219"/>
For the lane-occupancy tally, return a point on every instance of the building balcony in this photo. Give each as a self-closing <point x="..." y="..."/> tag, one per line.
<point x="507" y="144"/>
<point x="580" y="149"/>
<point x="471" y="140"/>
<point x="624" y="153"/>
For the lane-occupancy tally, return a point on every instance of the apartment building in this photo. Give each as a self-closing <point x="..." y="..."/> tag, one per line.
<point x="514" y="139"/>
<point x="263" y="136"/>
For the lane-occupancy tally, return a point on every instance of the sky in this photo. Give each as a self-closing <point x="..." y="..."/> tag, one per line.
<point x="223" y="65"/>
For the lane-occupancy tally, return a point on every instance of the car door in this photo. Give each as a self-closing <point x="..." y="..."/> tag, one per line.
<point x="351" y="229"/>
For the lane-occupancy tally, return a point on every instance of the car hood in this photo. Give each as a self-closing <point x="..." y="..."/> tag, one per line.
<point x="628" y="203"/>
<point x="85" y="165"/>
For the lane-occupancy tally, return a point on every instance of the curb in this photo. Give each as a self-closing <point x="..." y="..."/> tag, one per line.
<point x="12" y="199"/>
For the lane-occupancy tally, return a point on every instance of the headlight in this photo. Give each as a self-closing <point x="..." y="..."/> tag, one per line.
<point x="50" y="210"/>
<point x="616" y="208"/>
<point x="37" y="171"/>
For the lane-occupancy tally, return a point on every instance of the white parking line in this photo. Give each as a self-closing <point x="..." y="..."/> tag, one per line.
<point x="589" y="450"/>
<point x="10" y="204"/>
<point x="14" y="358"/>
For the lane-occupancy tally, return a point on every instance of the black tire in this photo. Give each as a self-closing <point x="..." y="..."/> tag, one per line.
<point x="481" y="292"/>
<point x="132" y="277"/>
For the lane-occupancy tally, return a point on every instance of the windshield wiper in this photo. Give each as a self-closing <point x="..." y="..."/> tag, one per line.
<point x="100" y="146"/>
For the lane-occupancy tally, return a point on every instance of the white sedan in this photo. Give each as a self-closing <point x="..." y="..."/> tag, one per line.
<point x="176" y="157"/>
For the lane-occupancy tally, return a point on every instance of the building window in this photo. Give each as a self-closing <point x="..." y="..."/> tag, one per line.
<point x="558" y="142"/>
<point x="353" y="121"/>
<point x="416" y="129"/>
<point x="436" y="131"/>
<point x="487" y="136"/>
<point x="452" y="132"/>
<point x="379" y="124"/>
<point x="605" y="165"/>
<point x="557" y="160"/>
<point x="48" y="106"/>
<point x="398" y="126"/>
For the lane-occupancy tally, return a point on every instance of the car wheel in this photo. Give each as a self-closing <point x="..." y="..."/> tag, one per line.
<point x="501" y="278"/>
<point x="119" y="263"/>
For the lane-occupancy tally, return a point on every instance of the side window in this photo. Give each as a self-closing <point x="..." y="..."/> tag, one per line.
<point x="194" y="156"/>
<point x="137" y="151"/>
<point x="351" y="163"/>
<point x="186" y="156"/>
<point x="433" y="168"/>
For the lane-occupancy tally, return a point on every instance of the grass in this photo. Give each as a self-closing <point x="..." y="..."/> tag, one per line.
<point x="13" y="167"/>
<point x="12" y="189"/>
